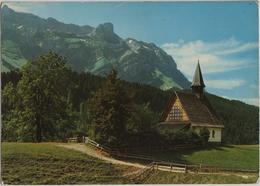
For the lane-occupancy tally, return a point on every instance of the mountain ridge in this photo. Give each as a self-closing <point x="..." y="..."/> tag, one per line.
<point x="95" y="50"/>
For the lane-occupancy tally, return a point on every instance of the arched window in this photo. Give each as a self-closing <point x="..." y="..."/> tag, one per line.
<point x="213" y="133"/>
<point x="175" y="113"/>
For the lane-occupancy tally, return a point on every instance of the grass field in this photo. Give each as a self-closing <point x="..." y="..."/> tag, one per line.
<point x="28" y="163"/>
<point x="160" y="177"/>
<point x="235" y="156"/>
<point x="32" y="163"/>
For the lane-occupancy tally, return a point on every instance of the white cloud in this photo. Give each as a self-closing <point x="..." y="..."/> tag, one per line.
<point x="253" y="87"/>
<point x="241" y="48"/>
<point x="251" y="101"/>
<point x="225" y="84"/>
<point x="212" y="56"/>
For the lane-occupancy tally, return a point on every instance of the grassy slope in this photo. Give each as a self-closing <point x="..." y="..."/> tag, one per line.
<point x="12" y="54"/>
<point x="160" y="177"/>
<point x="30" y="163"/>
<point x="235" y="156"/>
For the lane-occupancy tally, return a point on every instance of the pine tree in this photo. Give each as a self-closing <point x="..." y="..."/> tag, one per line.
<point x="109" y="112"/>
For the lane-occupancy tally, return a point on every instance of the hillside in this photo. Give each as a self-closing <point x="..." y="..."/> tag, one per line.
<point x="229" y="156"/>
<point x="28" y="163"/>
<point x="34" y="163"/>
<point x="88" y="49"/>
<point x="240" y="119"/>
<point x="179" y="178"/>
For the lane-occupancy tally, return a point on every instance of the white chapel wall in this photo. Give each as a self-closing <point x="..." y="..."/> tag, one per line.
<point x="217" y="136"/>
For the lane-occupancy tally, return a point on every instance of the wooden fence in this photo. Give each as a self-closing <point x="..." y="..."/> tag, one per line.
<point x="72" y="140"/>
<point x="163" y="165"/>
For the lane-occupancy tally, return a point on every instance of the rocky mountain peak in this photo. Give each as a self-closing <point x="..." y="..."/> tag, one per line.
<point x="6" y="8"/>
<point x="88" y="49"/>
<point x="105" y="32"/>
<point x="6" y="11"/>
<point x="107" y="28"/>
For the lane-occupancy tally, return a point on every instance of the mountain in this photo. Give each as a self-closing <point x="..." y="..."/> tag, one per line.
<point x="95" y="50"/>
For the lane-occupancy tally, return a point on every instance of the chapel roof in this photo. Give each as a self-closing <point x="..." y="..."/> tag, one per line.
<point x="199" y="111"/>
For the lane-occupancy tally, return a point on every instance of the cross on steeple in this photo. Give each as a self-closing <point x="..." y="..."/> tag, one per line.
<point x="198" y="83"/>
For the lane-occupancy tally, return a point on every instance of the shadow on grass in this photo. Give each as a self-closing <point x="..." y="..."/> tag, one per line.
<point x="172" y="156"/>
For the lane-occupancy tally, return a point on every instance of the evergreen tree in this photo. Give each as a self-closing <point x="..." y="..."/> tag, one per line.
<point x="109" y="112"/>
<point x="83" y="119"/>
<point x="141" y="127"/>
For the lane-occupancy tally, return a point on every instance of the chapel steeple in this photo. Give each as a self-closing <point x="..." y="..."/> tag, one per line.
<point x="198" y="83"/>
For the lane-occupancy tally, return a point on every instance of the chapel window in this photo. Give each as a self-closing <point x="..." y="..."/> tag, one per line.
<point x="176" y="113"/>
<point x="213" y="134"/>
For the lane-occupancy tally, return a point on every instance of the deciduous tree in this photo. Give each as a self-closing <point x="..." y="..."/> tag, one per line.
<point x="43" y="91"/>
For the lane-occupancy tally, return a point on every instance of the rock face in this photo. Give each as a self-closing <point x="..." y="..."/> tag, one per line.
<point x="96" y="50"/>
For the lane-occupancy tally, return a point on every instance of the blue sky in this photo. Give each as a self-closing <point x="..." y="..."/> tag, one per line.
<point x="223" y="35"/>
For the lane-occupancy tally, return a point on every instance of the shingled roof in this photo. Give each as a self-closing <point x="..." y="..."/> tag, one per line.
<point x="199" y="111"/>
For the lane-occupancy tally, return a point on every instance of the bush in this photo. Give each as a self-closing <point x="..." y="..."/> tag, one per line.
<point x="180" y="137"/>
<point x="204" y="135"/>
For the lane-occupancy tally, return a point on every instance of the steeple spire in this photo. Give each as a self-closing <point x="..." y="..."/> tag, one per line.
<point x="197" y="78"/>
<point x="198" y="83"/>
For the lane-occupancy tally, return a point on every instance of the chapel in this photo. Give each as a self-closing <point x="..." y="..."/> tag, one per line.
<point x="192" y="110"/>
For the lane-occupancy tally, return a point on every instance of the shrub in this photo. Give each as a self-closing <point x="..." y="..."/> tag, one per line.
<point x="204" y="135"/>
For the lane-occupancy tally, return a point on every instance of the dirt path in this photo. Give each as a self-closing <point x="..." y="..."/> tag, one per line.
<point x="94" y="153"/>
<point x="91" y="152"/>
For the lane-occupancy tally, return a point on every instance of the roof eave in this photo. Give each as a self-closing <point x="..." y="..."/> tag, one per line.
<point x="207" y="125"/>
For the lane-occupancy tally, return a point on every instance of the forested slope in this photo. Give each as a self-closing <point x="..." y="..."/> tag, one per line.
<point x="240" y="119"/>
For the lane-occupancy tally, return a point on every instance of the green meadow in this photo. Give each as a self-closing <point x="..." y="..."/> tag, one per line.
<point x="45" y="163"/>
<point x="32" y="163"/>
<point x="160" y="177"/>
<point x="231" y="156"/>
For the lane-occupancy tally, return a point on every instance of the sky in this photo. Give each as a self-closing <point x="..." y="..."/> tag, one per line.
<point x="223" y="36"/>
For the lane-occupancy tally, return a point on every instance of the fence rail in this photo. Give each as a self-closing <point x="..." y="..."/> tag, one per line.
<point x="72" y="140"/>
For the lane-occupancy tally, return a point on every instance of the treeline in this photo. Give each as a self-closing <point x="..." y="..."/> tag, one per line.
<point x="48" y="99"/>
<point x="241" y="120"/>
